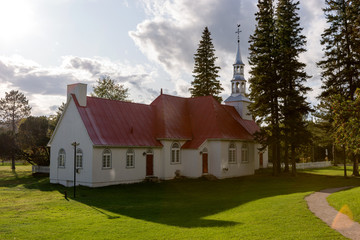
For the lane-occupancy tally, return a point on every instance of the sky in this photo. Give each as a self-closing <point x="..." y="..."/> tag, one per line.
<point x="146" y="45"/>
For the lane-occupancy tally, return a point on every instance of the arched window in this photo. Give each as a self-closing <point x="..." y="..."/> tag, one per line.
<point x="242" y="70"/>
<point x="232" y="153"/>
<point x="130" y="158"/>
<point x="244" y="153"/>
<point x="237" y="87"/>
<point x="61" y="158"/>
<point x="106" y="158"/>
<point x="243" y="87"/>
<point x="175" y="153"/>
<point x="79" y="158"/>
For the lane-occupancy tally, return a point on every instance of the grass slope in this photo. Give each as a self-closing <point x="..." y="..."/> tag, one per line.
<point x="254" y="207"/>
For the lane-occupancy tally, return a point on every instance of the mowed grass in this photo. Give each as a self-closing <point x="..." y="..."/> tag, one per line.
<point x="253" y="207"/>
<point x="329" y="171"/>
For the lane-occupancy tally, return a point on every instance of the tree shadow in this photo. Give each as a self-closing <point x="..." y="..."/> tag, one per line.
<point x="191" y="203"/>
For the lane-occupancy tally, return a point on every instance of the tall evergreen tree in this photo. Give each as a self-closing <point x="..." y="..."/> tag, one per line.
<point x="341" y="63"/>
<point x="291" y="77"/>
<point x="205" y="71"/>
<point x="264" y="81"/>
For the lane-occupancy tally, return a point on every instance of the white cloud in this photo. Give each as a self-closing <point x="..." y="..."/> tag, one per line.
<point x="171" y="33"/>
<point x="46" y="87"/>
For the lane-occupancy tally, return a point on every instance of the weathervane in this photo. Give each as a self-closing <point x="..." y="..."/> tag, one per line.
<point x="238" y="32"/>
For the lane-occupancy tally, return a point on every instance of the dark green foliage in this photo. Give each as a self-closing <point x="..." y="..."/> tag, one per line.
<point x="32" y="139"/>
<point x="277" y="78"/>
<point x="205" y="71"/>
<point x="7" y="145"/>
<point x="54" y="119"/>
<point x="341" y="63"/>
<point x="291" y="76"/>
<point x="14" y="107"/>
<point x="340" y="66"/>
<point x="264" y="80"/>
<point x="109" y="89"/>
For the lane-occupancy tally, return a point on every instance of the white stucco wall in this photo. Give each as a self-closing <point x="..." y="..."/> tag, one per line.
<point x="168" y="168"/>
<point x="119" y="173"/>
<point x="192" y="161"/>
<point x="219" y="156"/>
<point x="69" y="130"/>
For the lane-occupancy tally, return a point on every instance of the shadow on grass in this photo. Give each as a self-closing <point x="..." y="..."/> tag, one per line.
<point x="190" y="203"/>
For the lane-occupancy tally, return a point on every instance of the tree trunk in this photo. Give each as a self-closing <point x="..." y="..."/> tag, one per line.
<point x="345" y="175"/>
<point x="278" y="156"/>
<point x="355" y="166"/>
<point x="274" y="159"/>
<point x="293" y="161"/>
<point x="286" y="155"/>
<point x="333" y="153"/>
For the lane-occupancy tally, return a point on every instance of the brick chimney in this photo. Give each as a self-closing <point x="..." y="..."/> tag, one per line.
<point x="80" y="91"/>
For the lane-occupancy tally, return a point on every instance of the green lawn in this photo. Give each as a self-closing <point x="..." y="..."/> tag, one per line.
<point x="329" y="171"/>
<point x="254" y="207"/>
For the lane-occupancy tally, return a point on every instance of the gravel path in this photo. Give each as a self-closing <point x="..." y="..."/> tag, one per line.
<point x="318" y="204"/>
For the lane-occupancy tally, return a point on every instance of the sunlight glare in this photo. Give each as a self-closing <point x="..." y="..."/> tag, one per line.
<point x="343" y="219"/>
<point x="16" y="19"/>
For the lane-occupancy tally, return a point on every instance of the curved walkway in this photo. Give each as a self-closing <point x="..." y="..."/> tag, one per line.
<point x="318" y="204"/>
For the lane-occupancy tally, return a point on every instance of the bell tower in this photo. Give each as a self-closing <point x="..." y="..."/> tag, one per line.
<point x="238" y="83"/>
<point x="238" y="97"/>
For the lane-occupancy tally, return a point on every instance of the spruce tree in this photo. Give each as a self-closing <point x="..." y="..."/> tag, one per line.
<point x="341" y="63"/>
<point x="205" y="71"/>
<point x="264" y="81"/>
<point x="291" y="75"/>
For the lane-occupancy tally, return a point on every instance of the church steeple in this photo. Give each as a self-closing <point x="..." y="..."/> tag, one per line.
<point x="238" y="97"/>
<point x="238" y="83"/>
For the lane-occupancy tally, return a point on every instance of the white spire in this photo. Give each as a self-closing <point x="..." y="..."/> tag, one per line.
<point x="238" y="54"/>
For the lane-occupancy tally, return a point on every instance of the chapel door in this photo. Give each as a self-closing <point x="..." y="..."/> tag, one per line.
<point x="205" y="162"/>
<point x="261" y="159"/>
<point x="149" y="165"/>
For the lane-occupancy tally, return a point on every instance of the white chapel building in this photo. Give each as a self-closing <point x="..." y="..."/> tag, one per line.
<point x="124" y="142"/>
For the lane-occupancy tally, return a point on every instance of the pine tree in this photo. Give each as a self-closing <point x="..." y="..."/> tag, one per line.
<point x="264" y="84"/>
<point x="14" y="107"/>
<point x="340" y="66"/>
<point x="341" y="63"/>
<point x="205" y="71"/>
<point x="291" y="77"/>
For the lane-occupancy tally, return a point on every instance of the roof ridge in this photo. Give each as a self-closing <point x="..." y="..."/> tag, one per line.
<point x="118" y="101"/>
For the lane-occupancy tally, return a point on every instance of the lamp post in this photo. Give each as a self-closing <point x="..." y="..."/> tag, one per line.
<point x="75" y="144"/>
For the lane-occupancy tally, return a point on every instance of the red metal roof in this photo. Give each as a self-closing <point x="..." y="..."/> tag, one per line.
<point x="117" y="123"/>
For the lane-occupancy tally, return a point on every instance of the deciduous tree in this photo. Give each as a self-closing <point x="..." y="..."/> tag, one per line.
<point x="109" y="89"/>
<point x="14" y="107"/>
<point x="32" y="139"/>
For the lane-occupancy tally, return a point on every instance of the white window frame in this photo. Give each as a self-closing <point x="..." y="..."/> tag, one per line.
<point x="244" y="153"/>
<point x="232" y="153"/>
<point x="175" y="153"/>
<point x="130" y="158"/>
<point x="106" y="159"/>
<point x="61" y="158"/>
<point x="79" y="158"/>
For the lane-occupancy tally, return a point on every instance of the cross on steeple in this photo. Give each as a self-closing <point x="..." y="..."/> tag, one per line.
<point x="238" y="32"/>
